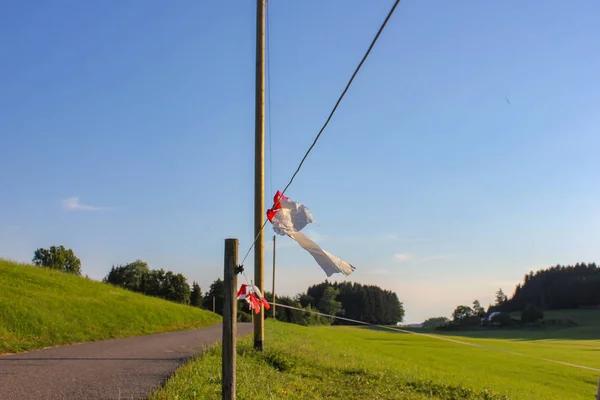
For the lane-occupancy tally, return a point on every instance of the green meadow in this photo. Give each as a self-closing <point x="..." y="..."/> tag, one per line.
<point x="357" y="363"/>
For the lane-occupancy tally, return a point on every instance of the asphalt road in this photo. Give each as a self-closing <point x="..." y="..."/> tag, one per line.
<point x="113" y="369"/>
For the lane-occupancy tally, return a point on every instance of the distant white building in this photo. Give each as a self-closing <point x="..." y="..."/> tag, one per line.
<point x="492" y="315"/>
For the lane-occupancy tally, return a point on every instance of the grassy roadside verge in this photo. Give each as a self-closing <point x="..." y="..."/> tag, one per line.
<point x="40" y="308"/>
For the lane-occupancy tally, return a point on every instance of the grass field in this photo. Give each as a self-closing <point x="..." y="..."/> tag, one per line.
<point x="577" y="345"/>
<point x="587" y="320"/>
<point x="357" y="363"/>
<point x="40" y="307"/>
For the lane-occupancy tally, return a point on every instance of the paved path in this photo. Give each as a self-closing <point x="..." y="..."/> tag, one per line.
<point x="113" y="369"/>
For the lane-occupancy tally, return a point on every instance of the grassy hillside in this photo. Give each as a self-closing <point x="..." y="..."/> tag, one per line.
<point x="40" y="307"/>
<point x="354" y="363"/>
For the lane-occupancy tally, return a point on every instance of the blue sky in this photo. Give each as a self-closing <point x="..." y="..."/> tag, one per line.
<point x="464" y="155"/>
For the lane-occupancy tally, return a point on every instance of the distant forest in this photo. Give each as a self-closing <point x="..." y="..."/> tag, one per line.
<point x="368" y="303"/>
<point x="558" y="287"/>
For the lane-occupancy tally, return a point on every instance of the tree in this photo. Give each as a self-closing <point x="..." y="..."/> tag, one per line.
<point x="368" y="303"/>
<point x="435" y="322"/>
<point x="503" y="319"/>
<point x="137" y="277"/>
<point x="478" y="310"/>
<point x="196" y="296"/>
<point x="58" y="258"/>
<point x="531" y="313"/>
<point x="304" y="299"/>
<point x="216" y="290"/>
<point x="175" y="288"/>
<point x="558" y="287"/>
<point x="328" y="303"/>
<point x="462" y="315"/>
<point x="500" y="298"/>
<point x="132" y="276"/>
<point x="153" y="283"/>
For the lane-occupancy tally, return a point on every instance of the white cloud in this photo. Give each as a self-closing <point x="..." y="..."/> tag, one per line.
<point x="73" y="204"/>
<point x="401" y="257"/>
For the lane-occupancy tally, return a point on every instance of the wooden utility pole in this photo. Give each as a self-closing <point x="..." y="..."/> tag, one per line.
<point x="259" y="170"/>
<point x="273" y="305"/>
<point x="229" y="319"/>
<point x="213" y="303"/>
<point x="598" y="392"/>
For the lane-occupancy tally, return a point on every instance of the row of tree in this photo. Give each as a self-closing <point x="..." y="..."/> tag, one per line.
<point x="468" y="317"/>
<point x="302" y="315"/>
<point x="558" y="287"/>
<point x="349" y="300"/>
<point x="137" y="277"/>
<point x="367" y="303"/>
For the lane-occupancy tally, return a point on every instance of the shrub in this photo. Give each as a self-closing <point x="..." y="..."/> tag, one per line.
<point x="503" y="319"/>
<point x="531" y="313"/>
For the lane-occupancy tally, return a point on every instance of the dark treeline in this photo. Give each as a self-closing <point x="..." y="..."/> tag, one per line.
<point x="304" y="317"/>
<point x="215" y="297"/>
<point x="554" y="288"/>
<point x="137" y="277"/>
<point x="367" y="303"/>
<point x="558" y="287"/>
